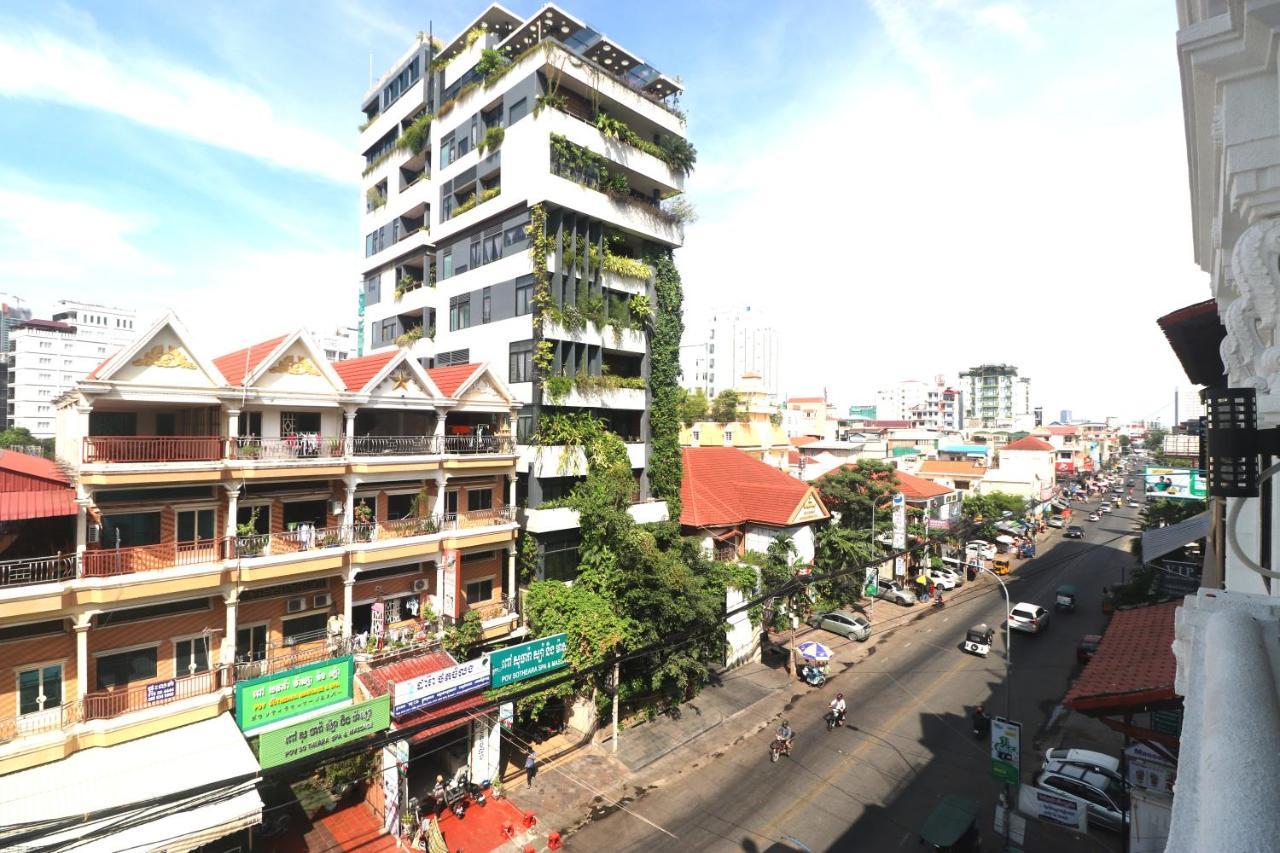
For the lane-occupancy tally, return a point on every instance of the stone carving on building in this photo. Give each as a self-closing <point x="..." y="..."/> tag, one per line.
<point x="164" y="356"/>
<point x="1249" y="304"/>
<point x="295" y="365"/>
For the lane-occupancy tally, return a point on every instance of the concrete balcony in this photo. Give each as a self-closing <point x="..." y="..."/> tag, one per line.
<point x="626" y="340"/>
<point x="609" y="398"/>
<point x="563" y="518"/>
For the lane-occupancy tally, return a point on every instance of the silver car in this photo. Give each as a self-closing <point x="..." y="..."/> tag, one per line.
<point x="1030" y="618"/>
<point x="1105" y="799"/>
<point x="892" y="591"/>
<point x="852" y="625"/>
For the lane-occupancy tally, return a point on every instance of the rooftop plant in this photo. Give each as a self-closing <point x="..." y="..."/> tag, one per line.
<point x="416" y="135"/>
<point x="492" y="139"/>
<point x="410" y="337"/>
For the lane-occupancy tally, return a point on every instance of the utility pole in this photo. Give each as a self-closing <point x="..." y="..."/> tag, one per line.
<point x="615" y="706"/>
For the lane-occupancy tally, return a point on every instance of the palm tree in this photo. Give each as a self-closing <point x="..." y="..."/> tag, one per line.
<point x="839" y="547"/>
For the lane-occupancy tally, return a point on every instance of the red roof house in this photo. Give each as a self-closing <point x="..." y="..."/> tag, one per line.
<point x="355" y="373"/>
<point x="1134" y="666"/>
<point x="235" y="366"/>
<point x="1029" y="442"/>
<point x="450" y="379"/>
<point x="724" y="486"/>
<point x="915" y="488"/>
<point x="380" y="680"/>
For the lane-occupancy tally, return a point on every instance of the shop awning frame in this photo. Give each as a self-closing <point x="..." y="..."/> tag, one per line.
<point x="1165" y="540"/>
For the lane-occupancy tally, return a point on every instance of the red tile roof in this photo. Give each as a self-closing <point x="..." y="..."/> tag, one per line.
<point x="806" y="399"/>
<point x="723" y="485"/>
<point x="355" y="373"/>
<point x="802" y="440"/>
<point x="793" y="457"/>
<point x="450" y="379"/>
<point x="378" y="682"/>
<point x="379" y="679"/>
<point x="1134" y="664"/>
<point x="889" y="424"/>
<point x="1029" y="442"/>
<point x="235" y="366"/>
<point x="947" y="467"/>
<point x="1062" y="430"/>
<point x="915" y="488"/>
<point x="33" y="487"/>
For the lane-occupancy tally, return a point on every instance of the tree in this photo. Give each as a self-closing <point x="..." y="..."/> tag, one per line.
<point x="22" y="437"/>
<point x="724" y="409"/>
<point x="985" y="511"/>
<point x="1154" y="440"/>
<point x="1124" y="441"/>
<point x="853" y="491"/>
<point x="693" y="407"/>
<point x="463" y="638"/>
<point x="1162" y="513"/>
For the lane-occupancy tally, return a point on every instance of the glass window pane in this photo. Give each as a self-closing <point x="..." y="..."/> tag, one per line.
<point x="28" y="691"/>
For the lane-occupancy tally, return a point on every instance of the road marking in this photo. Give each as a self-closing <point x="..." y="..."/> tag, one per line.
<point x="897" y="717"/>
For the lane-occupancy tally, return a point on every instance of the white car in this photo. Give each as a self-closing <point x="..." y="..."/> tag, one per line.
<point x="1056" y="521"/>
<point x="985" y="550"/>
<point x="1105" y="508"/>
<point x="1083" y="757"/>
<point x="942" y="578"/>
<point x="1028" y="618"/>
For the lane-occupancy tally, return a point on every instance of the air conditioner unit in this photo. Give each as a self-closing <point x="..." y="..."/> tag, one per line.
<point x="94" y="532"/>
<point x="324" y="599"/>
<point x="421" y="585"/>
<point x="296" y="605"/>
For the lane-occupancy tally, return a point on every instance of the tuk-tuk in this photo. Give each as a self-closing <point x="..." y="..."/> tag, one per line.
<point x="978" y="639"/>
<point x="1027" y="549"/>
<point x="1002" y="564"/>
<point x="952" y="826"/>
<point x="1065" y="599"/>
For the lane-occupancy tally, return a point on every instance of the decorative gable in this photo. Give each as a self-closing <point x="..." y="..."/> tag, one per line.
<point x="162" y="357"/>
<point x="810" y="509"/>
<point x="402" y="382"/>
<point x="296" y="365"/>
<point x="484" y="390"/>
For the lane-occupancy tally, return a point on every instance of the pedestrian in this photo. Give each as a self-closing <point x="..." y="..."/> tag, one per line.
<point x="530" y="768"/>
<point x="438" y="793"/>
<point x="931" y="588"/>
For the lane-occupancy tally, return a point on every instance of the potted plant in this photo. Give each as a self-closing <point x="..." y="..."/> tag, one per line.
<point x="250" y="543"/>
<point x="363" y="519"/>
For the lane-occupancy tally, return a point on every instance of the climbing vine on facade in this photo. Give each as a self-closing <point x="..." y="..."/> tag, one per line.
<point x="664" y="375"/>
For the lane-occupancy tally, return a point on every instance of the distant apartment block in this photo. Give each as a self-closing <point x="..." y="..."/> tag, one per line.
<point x="995" y="396"/>
<point x="728" y="345"/>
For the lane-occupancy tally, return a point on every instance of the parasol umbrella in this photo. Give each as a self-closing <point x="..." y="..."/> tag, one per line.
<point x="1005" y="540"/>
<point x="815" y="651"/>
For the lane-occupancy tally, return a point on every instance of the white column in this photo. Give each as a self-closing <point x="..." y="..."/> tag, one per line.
<point x="511" y="491"/>
<point x="349" y="430"/>
<point x="83" y="501"/>
<point x="233" y="424"/>
<point x="349" y="506"/>
<point x="232" y="599"/>
<point x="511" y="575"/>
<point x="233" y="507"/>
<point x="348" y="588"/>
<point x="81" y="626"/>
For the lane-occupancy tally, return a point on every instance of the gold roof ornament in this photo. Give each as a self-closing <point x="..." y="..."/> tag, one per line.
<point x="162" y="356"/>
<point x="295" y="365"/>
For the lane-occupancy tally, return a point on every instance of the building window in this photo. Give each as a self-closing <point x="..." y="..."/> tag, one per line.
<point x="191" y="656"/>
<point x="517" y="111"/>
<point x="457" y="356"/>
<point x="486" y="307"/>
<point x="493" y="247"/>
<point x="195" y="525"/>
<point x="479" y="591"/>
<point x="475" y="253"/>
<point x="389" y="330"/>
<point x="123" y="668"/>
<point x="459" y="313"/>
<point x="251" y="643"/>
<point x="560" y="559"/>
<point x="521" y="369"/>
<point x="524" y="425"/>
<point x="479" y="499"/>
<point x="446" y="263"/>
<point x="524" y="298"/>
<point x="39" y="688"/>
<point x="129" y="530"/>
<point x="304" y="628"/>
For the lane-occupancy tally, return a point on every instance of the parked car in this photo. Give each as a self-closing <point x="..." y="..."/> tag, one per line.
<point x="956" y="571"/>
<point x="982" y="548"/>
<point x="942" y="578"/>
<point x="1095" y="516"/>
<point x="1106" y="801"/>
<point x="895" y="592"/>
<point x="1085" y="757"/>
<point x="1029" y="618"/>
<point x="852" y="625"/>
<point x="1056" y="521"/>
<point x="1106" y="507"/>
<point x="1087" y="646"/>
<point x="1075" y="531"/>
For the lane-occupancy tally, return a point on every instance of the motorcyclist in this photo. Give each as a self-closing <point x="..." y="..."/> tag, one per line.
<point x="785" y="735"/>
<point x="838" y="708"/>
<point x="937" y="599"/>
<point x="981" y="722"/>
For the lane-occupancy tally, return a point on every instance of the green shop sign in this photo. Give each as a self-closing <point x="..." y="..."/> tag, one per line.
<point x="272" y="698"/>
<point x="507" y="666"/>
<point x="321" y="734"/>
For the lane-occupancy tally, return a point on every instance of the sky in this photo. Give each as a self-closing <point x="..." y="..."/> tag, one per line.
<point x="904" y="188"/>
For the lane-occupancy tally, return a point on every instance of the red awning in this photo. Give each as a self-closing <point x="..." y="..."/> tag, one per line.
<point x="19" y="506"/>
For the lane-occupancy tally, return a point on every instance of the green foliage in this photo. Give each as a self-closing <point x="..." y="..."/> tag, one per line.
<point x="527" y="557"/>
<point x="693" y="406"/>
<point x="552" y="102"/>
<point x="405" y="285"/>
<point x="492" y="139"/>
<point x="416" y="136"/>
<point x="556" y="388"/>
<point x="378" y="161"/>
<point x="853" y="492"/>
<point x="492" y="65"/>
<point x="472" y="200"/>
<point x="1124" y="441"/>
<point x="606" y="382"/>
<point x="1154" y="439"/>
<point x="679" y="210"/>
<point x="664" y="413"/>
<point x="249" y="527"/>
<point x="22" y="437"/>
<point x="674" y="151"/>
<point x="463" y="638"/>
<point x="473" y="35"/>
<point x="839" y="546"/>
<point x="1163" y="513"/>
<point x="375" y="197"/>
<point x="724" y="409"/>
<point x="626" y="267"/>
<point x="985" y="511"/>
<point x="410" y="337"/>
<point x="679" y="154"/>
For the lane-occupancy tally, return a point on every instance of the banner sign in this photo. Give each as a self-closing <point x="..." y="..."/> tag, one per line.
<point x="1175" y="484"/>
<point x="435" y="687"/>
<point x="449" y="583"/>
<point x="528" y="659"/>
<point x="319" y="734"/>
<point x="1006" y="753"/>
<point x="1146" y="768"/>
<point x="272" y="698"/>
<point x="899" y="532"/>
<point x="395" y="758"/>
<point x="1037" y="802"/>
<point x="162" y="691"/>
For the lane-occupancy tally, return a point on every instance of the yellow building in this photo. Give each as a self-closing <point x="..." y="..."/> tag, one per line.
<point x="754" y="433"/>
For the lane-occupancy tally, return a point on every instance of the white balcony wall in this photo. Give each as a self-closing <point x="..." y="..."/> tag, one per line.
<point x="584" y="72"/>
<point x="621" y="153"/>
<point x="405" y="106"/>
<point x="417" y="241"/>
<point x="631" y="399"/>
<point x="629" y="340"/>
<point x="463" y="62"/>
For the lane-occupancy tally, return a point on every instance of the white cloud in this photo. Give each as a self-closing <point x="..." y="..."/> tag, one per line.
<point x="904" y="237"/>
<point x="1005" y="18"/>
<point x="94" y="73"/>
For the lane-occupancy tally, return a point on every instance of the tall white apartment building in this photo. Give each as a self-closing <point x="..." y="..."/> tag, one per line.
<point x="48" y="357"/>
<point x="729" y="344"/>
<point x="933" y="405"/>
<point x="995" y="396"/>
<point x="12" y="312"/>
<point x="338" y="344"/>
<point x="526" y="156"/>
<point x="1186" y="403"/>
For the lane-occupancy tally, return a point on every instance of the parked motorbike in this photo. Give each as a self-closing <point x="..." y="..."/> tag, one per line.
<point x="778" y="748"/>
<point x="459" y="788"/>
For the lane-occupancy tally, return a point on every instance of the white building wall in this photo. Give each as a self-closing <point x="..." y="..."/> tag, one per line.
<point x="726" y="344"/>
<point x="44" y="364"/>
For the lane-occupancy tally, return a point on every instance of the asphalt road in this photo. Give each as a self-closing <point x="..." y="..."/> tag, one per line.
<point x="908" y="738"/>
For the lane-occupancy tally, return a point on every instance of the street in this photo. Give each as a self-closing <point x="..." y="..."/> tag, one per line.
<point x="908" y="738"/>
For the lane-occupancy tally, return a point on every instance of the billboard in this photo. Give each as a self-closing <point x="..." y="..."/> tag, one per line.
<point x="272" y="698"/>
<point x="1006" y="751"/>
<point x="1174" y="484"/>
<point x="899" y="532"/>
<point x="320" y="734"/>
<point x="527" y="660"/>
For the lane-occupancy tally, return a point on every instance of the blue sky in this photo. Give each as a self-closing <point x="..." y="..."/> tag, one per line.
<point x="905" y="188"/>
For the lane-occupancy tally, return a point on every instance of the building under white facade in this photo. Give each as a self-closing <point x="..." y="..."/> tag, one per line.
<point x="48" y="357"/>
<point x="995" y="396"/>
<point x="526" y="159"/>
<point x="338" y="344"/>
<point x="932" y="405"/>
<point x="728" y="344"/>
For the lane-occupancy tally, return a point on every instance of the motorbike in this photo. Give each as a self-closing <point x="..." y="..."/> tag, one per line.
<point x="779" y="747"/>
<point x="812" y="674"/>
<point x="981" y="726"/>
<point x="459" y="788"/>
<point x="834" y="719"/>
<point x="937" y="603"/>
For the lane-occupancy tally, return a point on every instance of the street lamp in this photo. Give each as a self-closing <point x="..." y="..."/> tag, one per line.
<point x="1008" y="647"/>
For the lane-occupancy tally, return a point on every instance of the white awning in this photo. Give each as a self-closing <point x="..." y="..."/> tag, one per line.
<point x="105" y="799"/>
<point x="1165" y="540"/>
